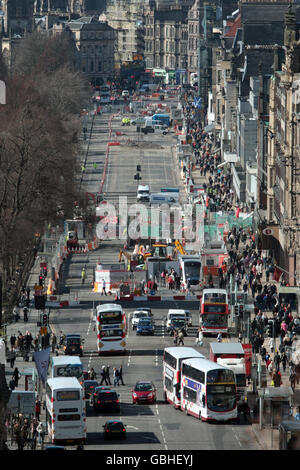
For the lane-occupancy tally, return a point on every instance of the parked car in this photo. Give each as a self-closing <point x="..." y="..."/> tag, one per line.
<point x="106" y="400"/>
<point x="114" y="429"/>
<point x="89" y="387"/>
<point x="125" y="94"/>
<point x="144" y="327"/>
<point x="144" y="392"/>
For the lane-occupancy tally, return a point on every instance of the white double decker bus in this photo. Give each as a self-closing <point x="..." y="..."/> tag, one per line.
<point x="111" y="329"/>
<point x="65" y="411"/>
<point x="67" y="366"/>
<point x="172" y="361"/>
<point x="208" y="390"/>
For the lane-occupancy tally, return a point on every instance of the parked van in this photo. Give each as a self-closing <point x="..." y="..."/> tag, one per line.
<point x="160" y="198"/>
<point x="175" y="314"/>
<point x="143" y="193"/>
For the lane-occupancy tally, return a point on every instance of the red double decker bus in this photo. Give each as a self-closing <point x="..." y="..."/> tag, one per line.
<point x="214" y="312"/>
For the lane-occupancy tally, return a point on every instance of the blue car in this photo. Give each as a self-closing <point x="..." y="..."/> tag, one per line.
<point x="145" y="327"/>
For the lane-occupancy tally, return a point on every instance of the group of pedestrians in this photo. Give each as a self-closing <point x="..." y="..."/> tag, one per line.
<point x="105" y="375"/>
<point x="248" y="266"/>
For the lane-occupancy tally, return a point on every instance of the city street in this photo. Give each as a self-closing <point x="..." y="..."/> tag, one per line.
<point x="159" y="426"/>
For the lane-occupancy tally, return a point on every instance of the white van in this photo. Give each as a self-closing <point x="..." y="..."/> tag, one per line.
<point x="163" y="198"/>
<point x="175" y="314"/>
<point x="143" y="193"/>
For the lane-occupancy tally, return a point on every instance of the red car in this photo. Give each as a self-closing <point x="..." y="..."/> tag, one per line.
<point x="144" y="392"/>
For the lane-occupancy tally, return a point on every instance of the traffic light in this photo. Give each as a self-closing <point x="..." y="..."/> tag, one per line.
<point x="236" y="310"/>
<point x="270" y="329"/>
<point x="44" y="319"/>
<point x="41" y="280"/>
<point x="241" y="311"/>
<point x="138" y="168"/>
<point x="137" y="176"/>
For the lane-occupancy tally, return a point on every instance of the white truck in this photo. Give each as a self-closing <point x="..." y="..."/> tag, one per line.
<point x="237" y="365"/>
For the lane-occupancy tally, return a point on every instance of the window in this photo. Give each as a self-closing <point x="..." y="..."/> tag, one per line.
<point x="92" y="66"/>
<point x="192" y="373"/>
<point x="189" y="394"/>
<point x="168" y="384"/>
<point x="170" y="360"/>
<point x="73" y="417"/>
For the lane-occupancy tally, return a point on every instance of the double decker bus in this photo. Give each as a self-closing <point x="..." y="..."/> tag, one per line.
<point x="214" y="312"/>
<point x="111" y="329"/>
<point x="67" y="366"/>
<point x="65" y="411"/>
<point x="208" y="390"/>
<point x="172" y="360"/>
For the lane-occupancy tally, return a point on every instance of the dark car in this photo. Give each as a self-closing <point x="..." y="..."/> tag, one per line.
<point x="113" y="429"/>
<point x="89" y="387"/>
<point x="145" y="327"/>
<point x="73" y="345"/>
<point x="99" y="388"/>
<point x="179" y="325"/>
<point x="106" y="400"/>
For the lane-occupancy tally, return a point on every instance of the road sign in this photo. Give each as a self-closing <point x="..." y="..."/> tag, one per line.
<point x="268" y="231"/>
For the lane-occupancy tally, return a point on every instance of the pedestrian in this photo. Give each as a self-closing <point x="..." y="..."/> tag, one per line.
<point x="83" y="274"/>
<point x="284" y="360"/>
<point x="12" y="359"/>
<point x="175" y="335"/>
<point x="276" y="379"/>
<point x="199" y="339"/>
<point x="16" y="376"/>
<point x="12" y="384"/>
<point x="121" y="375"/>
<point x="13" y="341"/>
<point x="37" y="409"/>
<point x="92" y="374"/>
<point x="107" y="374"/>
<point x="116" y="376"/>
<point x="41" y="434"/>
<point x="53" y="342"/>
<point x="297" y="415"/>
<point x="277" y="361"/>
<point x="103" y="287"/>
<point x="103" y="375"/>
<point x="271" y="344"/>
<point x="180" y="338"/>
<point x="219" y="338"/>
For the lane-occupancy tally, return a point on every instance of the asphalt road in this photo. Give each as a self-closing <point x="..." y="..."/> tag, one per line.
<point x="150" y="427"/>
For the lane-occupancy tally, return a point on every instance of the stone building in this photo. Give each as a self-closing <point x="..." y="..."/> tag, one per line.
<point x="281" y="232"/>
<point x="18" y="17"/>
<point x="95" y="43"/>
<point x="166" y="38"/>
<point x="126" y="18"/>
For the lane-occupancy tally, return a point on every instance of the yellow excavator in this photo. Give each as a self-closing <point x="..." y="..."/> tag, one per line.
<point x="178" y="249"/>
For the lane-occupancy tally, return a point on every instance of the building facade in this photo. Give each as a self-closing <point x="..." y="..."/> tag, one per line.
<point x="95" y="43"/>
